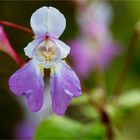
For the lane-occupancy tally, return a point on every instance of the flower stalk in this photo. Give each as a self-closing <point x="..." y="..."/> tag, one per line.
<point x="19" y="27"/>
<point x="120" y="82"/>
<point x="105" y="119"/>
<point x="5" y="46"/>
<point x="104" y="116"/>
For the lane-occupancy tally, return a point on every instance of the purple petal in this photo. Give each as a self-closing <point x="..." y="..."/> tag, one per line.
<point x="108" y="52"/>
<point x="95" y="19"/>
<point x="80" y="53"/>
<point x="64" y="85"/>
<point x="28" y="81"/>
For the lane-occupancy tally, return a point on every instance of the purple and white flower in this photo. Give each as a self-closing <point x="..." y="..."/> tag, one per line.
<point x="46" y="51"/>
<point x="94" y="47"/>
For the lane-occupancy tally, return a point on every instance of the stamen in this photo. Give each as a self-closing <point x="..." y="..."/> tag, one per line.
<point x="47" y="53"/>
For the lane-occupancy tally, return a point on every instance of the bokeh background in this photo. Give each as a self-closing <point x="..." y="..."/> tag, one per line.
<point x="124" y="113"/>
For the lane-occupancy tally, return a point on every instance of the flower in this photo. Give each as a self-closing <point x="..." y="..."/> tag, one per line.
<point x="46" y="51"/>
<point x="91" y="55"/>
<point x="95" y="19"/>
<point x="6" y="47"/>
<point x="95" y="46"/>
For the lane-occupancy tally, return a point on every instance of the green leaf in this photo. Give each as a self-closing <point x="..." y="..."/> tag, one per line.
<point x="98" y="96"/>
<point x="130" y="99"/>
<point x="95" y="131"/>
<point x="128" y="128"/>
<point x="64" y="128"/>
<point x="58" y="127"/>
<point x="80" y="100"/>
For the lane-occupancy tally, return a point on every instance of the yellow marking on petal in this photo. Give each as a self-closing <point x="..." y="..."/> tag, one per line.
<point x="41" y="69"/>
<point x="47" y="54"/>
<point x="53" y="69"/>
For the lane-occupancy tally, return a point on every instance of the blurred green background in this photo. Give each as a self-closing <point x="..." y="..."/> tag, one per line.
<point x="125" y="116"/>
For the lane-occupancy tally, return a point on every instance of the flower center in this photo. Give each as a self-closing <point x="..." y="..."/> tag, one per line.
<point x="47" y="53"/>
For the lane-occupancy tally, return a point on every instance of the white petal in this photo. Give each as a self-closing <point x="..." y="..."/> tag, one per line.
<point x="29" y="49"/>
<point x="48" y="21"/>
<point x="64" y="49"/>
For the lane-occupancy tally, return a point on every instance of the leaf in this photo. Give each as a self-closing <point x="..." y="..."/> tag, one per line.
<point x="130" y="99"/>
<point x="80" y="100"/>
<point x="124" y="106"/>
<point x="128" y="128"/>
<point x="58" y="127"/>
<point x="94" y="131"/>
<point x="91" y="112"/>
<point x="64" y="128"/>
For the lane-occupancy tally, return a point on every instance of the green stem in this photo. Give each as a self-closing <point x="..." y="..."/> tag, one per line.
<point x="105" y="119"/>
<point x="100" y="81"/>
<point x="120" y="82"/>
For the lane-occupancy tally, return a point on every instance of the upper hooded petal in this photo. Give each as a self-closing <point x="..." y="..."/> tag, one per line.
<point x="28" y="81"/>
<point x="64" y="48"/>
<point x="30" y="48"/>
<point x="64" y="85"/>
<point x="48" y="21"/>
